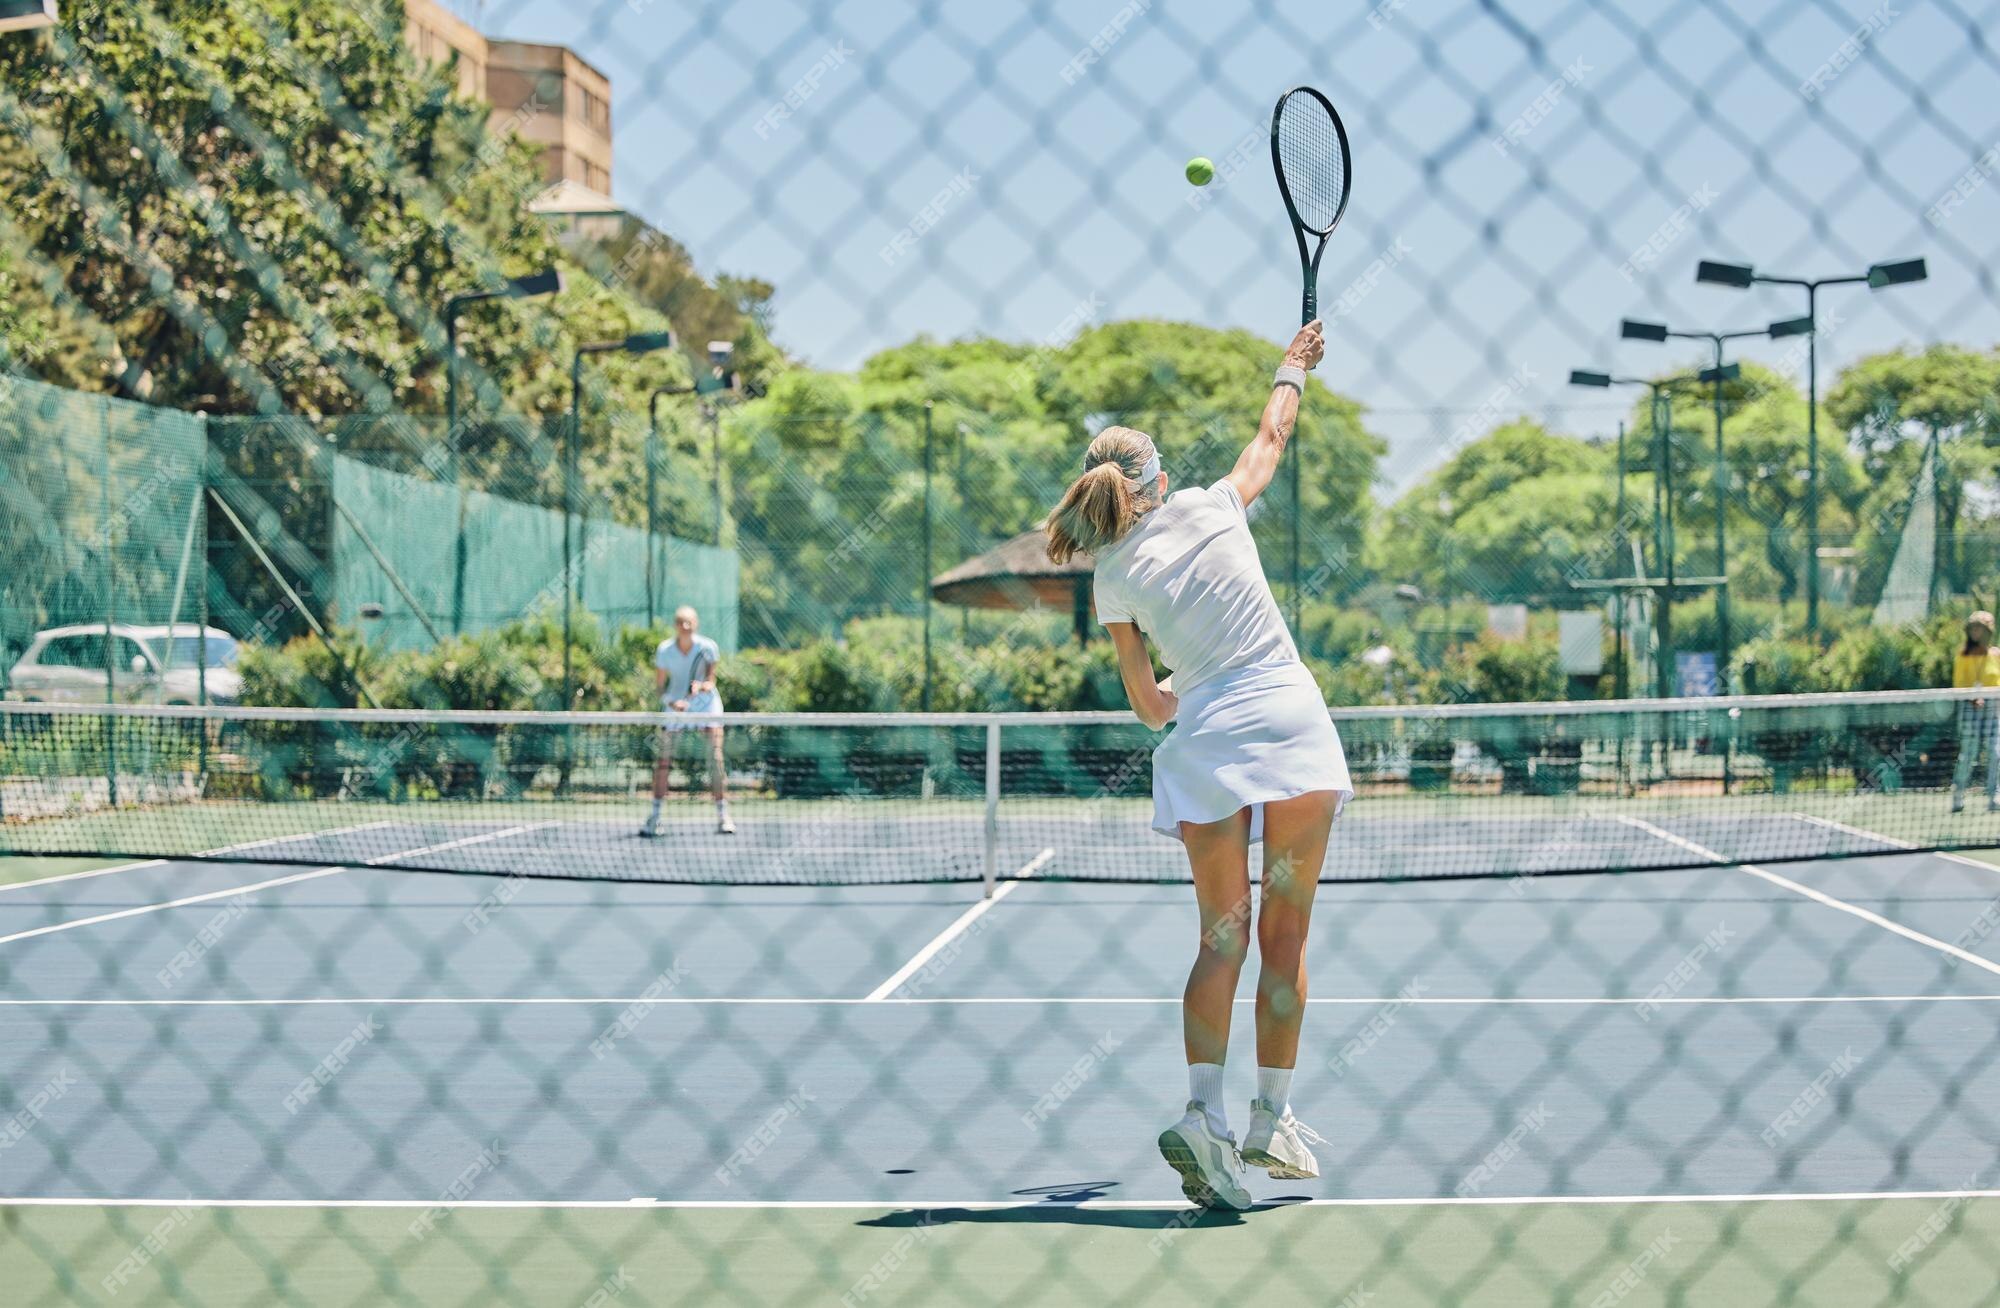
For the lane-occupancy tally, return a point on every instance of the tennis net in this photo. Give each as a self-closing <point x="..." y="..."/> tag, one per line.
<point x="830" y="799"/>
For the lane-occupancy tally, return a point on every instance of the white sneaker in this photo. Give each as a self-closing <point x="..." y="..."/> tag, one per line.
<point x="1211" y="1171"/>
<point x="724" y="826"/>
<point x="1277" y="1143"/>
<point x="651" y="827"/>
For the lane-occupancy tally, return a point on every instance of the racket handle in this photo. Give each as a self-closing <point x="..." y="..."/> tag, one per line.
<point x="1310" y="308"/>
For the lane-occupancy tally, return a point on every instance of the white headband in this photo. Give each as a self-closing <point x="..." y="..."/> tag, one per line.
<point x="1147" y="474"/>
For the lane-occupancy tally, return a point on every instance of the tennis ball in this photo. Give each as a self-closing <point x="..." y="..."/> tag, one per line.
<point x="1200" y="171"/>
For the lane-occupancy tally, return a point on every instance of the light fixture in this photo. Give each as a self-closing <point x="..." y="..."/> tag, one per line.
<point x="1738" y="275"/>
<point x="1897" y="274"/>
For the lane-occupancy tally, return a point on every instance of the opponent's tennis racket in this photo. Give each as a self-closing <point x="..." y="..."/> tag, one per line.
<point x="699" y="671"/>
<point x="1309" y="152"/>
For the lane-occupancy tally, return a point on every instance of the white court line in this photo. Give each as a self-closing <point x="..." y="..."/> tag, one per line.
<point x="995" y="1205"/>
<point x="581" y="1001"/>
<point x="965" y="919"/>
<point x="172" y="903"/>
<point x="161" y="862"/>
<point x="460" y="843"/>
<point x="1819" y="897"/>
<point x="1866" y="834"/>
<point x="75" y="876"/>
<point x="262" y="885"/>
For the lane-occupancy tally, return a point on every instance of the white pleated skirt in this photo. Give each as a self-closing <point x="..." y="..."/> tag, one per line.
<point x="709" y="701"/>
<point x="1243" y="740"/>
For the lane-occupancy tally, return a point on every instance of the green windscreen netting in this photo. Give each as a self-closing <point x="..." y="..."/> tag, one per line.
<point x="387" y="522"/>
<point x="101" y="512"/>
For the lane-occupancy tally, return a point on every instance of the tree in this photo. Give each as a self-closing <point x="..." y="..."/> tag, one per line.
<point x="827" y="469"/>
<point x="1514" y="516"/>
<point x="1765" y="451"/>
<point x="259" y="207"/>
<point x="1894" y="404"/>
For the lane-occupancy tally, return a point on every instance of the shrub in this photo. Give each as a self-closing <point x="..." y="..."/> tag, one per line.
<point x="1779" y="665"/>
<point x="831" y="678"/>
<point x="478" y="671"/>
<point x="305" y="674"/>
<point x="1491" y="670"/>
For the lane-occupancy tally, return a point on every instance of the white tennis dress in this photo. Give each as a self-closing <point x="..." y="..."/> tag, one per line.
<point x="1252" y="726"/>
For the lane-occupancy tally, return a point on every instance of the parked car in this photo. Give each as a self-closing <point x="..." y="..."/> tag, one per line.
<point x="154" y="665"/>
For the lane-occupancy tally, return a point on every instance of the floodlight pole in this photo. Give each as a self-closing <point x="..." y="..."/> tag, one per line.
<point x="451" y="308"/>
<point x="1721" y="489"/>
<point x="570" y="442"/>
<point x="1663" y="421"/>
<point x="652" y="488"/>
<point x="1741" y="277"/>
<point x="1715" y="376"/>
<point x="643" y="343"/>
<point x="1812" y="434"/>
<point x="1661" y="413"/>
<point x="719" y="381"/>
<point x="713" y="411"/>
<point x="1620" y="673"/>
<point x="547" y="282"/>
<point x="924" y="696"/>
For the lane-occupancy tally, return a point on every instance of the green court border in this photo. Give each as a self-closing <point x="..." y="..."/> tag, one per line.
<point x="1824" y="1252"/>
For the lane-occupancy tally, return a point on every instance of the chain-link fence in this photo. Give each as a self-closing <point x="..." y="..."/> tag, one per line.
<point x="338" y="336"/>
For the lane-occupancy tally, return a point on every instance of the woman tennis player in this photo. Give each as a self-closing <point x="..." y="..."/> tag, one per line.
<point x="684" y="678"/>
<point x="1253" y="756"/>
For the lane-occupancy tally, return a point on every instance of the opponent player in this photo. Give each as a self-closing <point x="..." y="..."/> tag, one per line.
<point x="1253" y="756"/>
<point x="684" y="675"/>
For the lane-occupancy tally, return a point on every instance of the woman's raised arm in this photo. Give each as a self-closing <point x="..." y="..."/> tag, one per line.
<point x="1259" y="461"/>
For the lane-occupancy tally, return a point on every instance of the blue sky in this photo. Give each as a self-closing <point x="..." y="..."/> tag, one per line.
<point x="1805" y="138"/>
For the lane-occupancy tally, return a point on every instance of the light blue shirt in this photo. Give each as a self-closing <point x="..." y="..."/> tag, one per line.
<point x="679" y="666"/>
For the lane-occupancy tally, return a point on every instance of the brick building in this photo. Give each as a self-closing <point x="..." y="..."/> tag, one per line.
<point x="545" y="94"/>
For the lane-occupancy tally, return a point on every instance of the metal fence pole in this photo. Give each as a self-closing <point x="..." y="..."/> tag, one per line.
<point x="107" y="551"/>
<point x="992" y="806"/>
<point x="201" y="612"/>
<point x="924" y="582"/>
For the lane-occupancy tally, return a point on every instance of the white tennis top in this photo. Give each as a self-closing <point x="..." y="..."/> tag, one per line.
<point x="1189" y="576"/>
<point x="678" y="665"/>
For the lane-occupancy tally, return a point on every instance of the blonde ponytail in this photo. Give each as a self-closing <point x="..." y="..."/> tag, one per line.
<point x="1107" y="501"/>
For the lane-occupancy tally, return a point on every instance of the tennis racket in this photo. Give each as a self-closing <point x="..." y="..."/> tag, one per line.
<point x="699" y="671"/>
<point x="1309" y="152"/>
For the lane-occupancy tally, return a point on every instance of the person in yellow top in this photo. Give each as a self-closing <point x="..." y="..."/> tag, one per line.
<point x="1978" y="664"/>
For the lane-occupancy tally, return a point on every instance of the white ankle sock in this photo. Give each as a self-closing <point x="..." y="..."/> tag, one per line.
<point x="1274" y="1087"/>
<point x="656" y="808"/>
<point x="1205" y="1088"/>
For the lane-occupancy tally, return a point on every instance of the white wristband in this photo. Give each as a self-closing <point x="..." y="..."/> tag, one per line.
<point x="1290" y="376"/>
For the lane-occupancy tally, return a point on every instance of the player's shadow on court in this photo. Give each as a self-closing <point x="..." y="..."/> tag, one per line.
<point x="1059" y="1206"/>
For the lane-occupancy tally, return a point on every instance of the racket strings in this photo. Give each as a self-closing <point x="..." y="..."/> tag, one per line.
<point x="1315" y="162"/>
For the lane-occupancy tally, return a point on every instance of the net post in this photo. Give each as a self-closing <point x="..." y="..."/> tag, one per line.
<point x="992" y="839"/>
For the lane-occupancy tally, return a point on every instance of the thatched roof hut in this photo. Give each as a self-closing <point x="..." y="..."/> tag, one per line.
<point x="1018" y="576"/>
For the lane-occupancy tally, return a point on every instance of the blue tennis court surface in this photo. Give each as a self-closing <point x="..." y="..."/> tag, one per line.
<point x="247" y="1033"/>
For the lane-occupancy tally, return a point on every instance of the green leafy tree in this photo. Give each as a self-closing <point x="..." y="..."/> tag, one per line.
<point x="826" y="470"/>
<point x="262" y="205"/>
<point x="1765" y="451"/>
<point x="1895" y="404"/>
<point x="1514" y="516"/>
